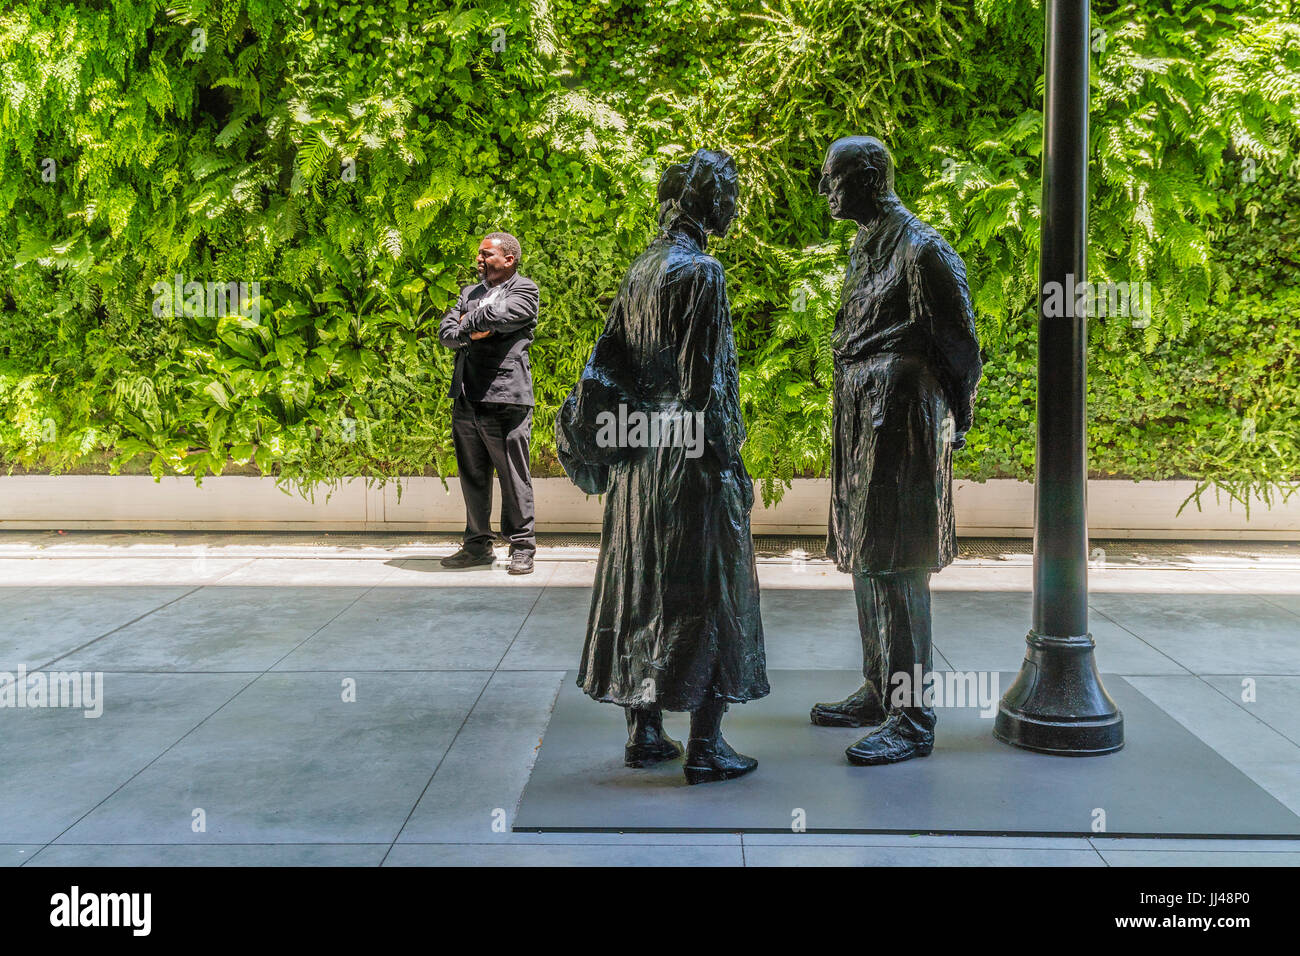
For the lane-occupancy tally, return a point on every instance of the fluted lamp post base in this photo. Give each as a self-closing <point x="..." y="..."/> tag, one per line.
<point x="1057" y="704"/>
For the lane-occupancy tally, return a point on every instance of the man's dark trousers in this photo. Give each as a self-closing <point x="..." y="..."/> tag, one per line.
<point x="488" y="436"/>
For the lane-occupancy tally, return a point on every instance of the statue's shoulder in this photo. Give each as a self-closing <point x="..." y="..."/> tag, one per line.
<point x="927" y="248"/>
<point x="696" y="265"/>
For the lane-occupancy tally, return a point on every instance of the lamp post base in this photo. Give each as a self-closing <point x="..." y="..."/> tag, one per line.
<point x="1057" y="704"/>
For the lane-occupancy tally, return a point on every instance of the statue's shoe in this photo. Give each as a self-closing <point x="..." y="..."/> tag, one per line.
<point x="893" y="742"/>
<point x="859" y="709"/>
<point x="652" y="750"/>
<point x="705" y="764"/>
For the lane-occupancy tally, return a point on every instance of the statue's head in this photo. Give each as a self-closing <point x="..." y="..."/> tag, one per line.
<point x="703" y="189"/>
<point x="857" y="178"/>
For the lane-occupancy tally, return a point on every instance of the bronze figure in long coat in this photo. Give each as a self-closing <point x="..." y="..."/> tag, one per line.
<point x="907" y="363"/>
<point x="655" y="425"/>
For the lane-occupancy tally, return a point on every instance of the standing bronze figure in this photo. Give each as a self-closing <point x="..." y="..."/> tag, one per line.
<point x="654" y="424"/>
<point x="907" y="363"/>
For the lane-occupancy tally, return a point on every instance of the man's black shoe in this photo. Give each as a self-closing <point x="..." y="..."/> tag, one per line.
<point x="859" y="709"/>
<point x="521" y="562"/>
<point x="893" y="741"/>
<point x="468" y="559"/>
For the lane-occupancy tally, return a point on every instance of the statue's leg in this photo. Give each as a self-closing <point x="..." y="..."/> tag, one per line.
<point x="646" y="741"/>
<point x="708" y="756"/>
<point x="865" y="707"/>
<point x="901" y="608"/>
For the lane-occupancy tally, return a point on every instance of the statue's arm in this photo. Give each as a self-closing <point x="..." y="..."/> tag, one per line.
<point x="704" y="315"/>
<point x="577" y="423"/>
<point x="945" y="297"/>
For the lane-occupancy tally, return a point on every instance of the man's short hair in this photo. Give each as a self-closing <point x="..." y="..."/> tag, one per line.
<point x="871" y="154"/>
<point x="508" y="243"/>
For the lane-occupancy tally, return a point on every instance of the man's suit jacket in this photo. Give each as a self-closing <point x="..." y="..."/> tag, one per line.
<point x="496" y="368"/>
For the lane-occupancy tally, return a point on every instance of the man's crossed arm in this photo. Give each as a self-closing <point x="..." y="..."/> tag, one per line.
<point x="500" y="311"/>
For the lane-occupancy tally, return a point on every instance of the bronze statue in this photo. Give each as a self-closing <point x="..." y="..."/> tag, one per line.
<point x="654" y="424"/>
<point x="907" y="363"/>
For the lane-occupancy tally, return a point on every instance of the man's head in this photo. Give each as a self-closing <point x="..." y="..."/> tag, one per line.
<point x="857" y="177"/>
<point x="498" y="257"/>
<point x="705" y="188"/>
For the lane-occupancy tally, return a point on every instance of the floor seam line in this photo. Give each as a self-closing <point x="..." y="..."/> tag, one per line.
<point x="1240" y="706"/>
<point x="134" y="620"/>
<point x="1137" y="637"/>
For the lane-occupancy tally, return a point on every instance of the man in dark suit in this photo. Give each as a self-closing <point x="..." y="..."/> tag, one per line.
<point x="491" y="327"/>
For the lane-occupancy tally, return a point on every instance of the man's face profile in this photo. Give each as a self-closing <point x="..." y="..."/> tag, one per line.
<point x="493" y="264"/>
<point x="851" y="186"/>
<point x="839" y="182"/>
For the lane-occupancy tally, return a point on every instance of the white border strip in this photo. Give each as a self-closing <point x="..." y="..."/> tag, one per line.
<point x="995" y="508"/>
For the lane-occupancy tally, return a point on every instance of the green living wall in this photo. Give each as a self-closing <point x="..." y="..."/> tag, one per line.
<point x="346" y="157"/>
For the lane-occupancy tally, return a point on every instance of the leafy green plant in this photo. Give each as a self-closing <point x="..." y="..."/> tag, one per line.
<point x="345" y="156"/>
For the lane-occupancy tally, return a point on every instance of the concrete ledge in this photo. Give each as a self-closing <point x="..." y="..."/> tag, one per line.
<point x="998" y="508"/>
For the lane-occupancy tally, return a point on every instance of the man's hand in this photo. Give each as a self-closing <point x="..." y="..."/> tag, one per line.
<point x="475" y="336"/>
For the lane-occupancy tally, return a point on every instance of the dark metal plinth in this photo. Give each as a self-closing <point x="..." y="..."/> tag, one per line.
<point x="1165" y="782"/>
<point x="1057" y="704"/>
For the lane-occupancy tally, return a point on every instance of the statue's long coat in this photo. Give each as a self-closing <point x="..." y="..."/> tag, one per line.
<point x="907" y="363"/>
<point x="674" y="614"/>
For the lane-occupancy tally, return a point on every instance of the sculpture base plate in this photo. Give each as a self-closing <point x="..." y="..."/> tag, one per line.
<point x="1165" y="782"/>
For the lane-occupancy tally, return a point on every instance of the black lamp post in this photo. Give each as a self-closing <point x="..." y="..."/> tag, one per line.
<point x="1057" y="704"/>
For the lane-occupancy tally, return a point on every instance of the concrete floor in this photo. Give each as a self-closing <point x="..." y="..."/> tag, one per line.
<point x="226" y="666"/>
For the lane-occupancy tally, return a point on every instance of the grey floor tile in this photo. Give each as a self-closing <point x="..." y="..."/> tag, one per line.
<point x="38" y="625"/>
<point x="803" y="628"/>
<point x="915" y="856"/>
<point x="429" y="573"/>
<point x="1210" y="633"/>
<point x="986" y="632"/>
<point x="1198" y="858"/>
<point x="473" y="796"/>
<point x="16" y="854"/>
<point x="281" y="854"/>
<point x="325" y="572"/>
<point x="552" y="637"/>
<point x="628" y="854"/>
<point x="1276" y="700"/>
<point x="618" y="839"/>
<point x="289" y="761"/>
<point x="218" y="629"/>
<point x="811" y="629"/>
<point x="913" y="842"/>
<point x="58" y="764"/>
<point x="116" y="572"/>
<point x="419" y="629"/>
<point x="1165" y="844"/>
<point x="1288" y="602"/>
<point x="1256" y="750"/>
